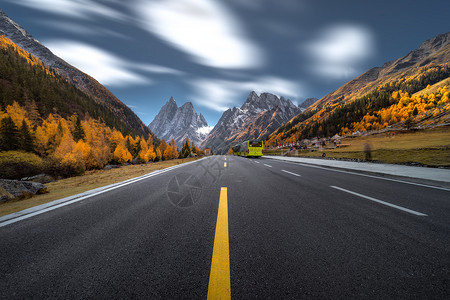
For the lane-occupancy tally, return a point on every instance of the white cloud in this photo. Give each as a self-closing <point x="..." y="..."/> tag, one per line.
<point x="338" y="50"/>
<point x="204" y="29"/>
<point x="151" y="68"/>
<point x="220" y="95"/>
<point x="104" y="66"/>
<point x="82" y="29"/>
<point x="78" y="9"/>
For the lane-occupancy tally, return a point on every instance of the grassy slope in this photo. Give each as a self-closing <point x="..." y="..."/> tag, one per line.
<point x="91" y="180"/>
<point x="434" y="88"/>
<point x="428" y="147"/>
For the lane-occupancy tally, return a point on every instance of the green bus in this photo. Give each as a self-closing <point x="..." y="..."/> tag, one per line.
<point x="250" y="148"/>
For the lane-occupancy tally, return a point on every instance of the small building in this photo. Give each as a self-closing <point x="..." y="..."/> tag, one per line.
<point x="207" y="151"/>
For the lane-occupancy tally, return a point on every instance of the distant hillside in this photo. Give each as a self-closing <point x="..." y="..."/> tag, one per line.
<point x="129" y="122"/>
<point x="433" y="52"/>
<point x="380" y="96"/>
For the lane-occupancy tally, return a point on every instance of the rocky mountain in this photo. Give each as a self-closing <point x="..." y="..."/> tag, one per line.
<point x="180" y="123"/>
<point x="349" y="108"/>
<point x="130" y="121"/>
<point x="434" y="51"/>
<point x="255" y="119"/>
<point x="307" y="103"/>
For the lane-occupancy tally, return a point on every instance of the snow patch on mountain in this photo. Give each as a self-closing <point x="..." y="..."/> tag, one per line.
<point x="205" y="130"/>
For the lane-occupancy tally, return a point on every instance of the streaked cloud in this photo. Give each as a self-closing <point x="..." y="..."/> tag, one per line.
<point x="104" y="66"/>
<point x="156" y="69"/>
<point x="204" y="29"/>
<point x="81" y="29"/>
<point x="83" y="9"/>
<point x="339" y="49"/>
<point x="219" y="95"/>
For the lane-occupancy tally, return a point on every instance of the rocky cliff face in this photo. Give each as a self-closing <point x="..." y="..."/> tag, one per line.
<point x="180" y="123"/>
<point x="82" y="81"/>
<point x="258" y="117"/>
<point x="307" y="103"/>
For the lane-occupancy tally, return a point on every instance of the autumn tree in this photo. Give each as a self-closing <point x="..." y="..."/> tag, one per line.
<point x="175" y="154"/>
<point x="32" y="112"/>
<point x="121" y="154"/>
<point x="158" y="153"/>
<point x="96" y="137"/>
<point x="168" y="153"/>
<point x="162" y="148"/>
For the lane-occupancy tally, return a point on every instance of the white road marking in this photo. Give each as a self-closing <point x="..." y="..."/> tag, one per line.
<point x="381" y="202"/>
<point x="268" y="166"/>
<point x="290" y="173"/>
<point x="256" y="162"/>
<point x="37" y="210"/>
<point x="366" y="175"/>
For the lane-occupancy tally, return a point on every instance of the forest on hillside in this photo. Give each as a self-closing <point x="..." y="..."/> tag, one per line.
<point x="25" y="79"/>
<point x="68" y="146"/>
<point x="383" y="107"/>
<point x="48" y="125"/>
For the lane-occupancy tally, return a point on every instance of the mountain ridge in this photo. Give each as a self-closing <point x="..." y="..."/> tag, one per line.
<point x="258" y="116"/>
<point x="82" y="81"/>
<point x="364" y="83"/>
<point x="363" y="103"/>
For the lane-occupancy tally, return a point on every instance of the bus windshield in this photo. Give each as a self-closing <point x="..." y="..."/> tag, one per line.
<point x="255" y="144"/>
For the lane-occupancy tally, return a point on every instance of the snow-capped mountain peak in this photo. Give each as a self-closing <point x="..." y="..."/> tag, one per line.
<point x="259" y="116"/>
<point x="179" y="123"/>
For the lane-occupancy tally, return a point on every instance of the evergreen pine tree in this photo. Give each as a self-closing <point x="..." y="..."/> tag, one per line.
<point x="78" y="133"/>
<point x="26" y="138"/>
<point x="186" y="150"/>
<point x="9" y="135"/>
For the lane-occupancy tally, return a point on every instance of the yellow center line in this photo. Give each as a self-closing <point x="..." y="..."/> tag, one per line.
<point x="219" y="279"/>
<point x="225" y="164"/>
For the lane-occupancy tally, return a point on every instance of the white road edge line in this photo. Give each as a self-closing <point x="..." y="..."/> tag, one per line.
<point x="381" y="202"/>
<point x="290" y="173"/>
<point x="365" y="175"/>
<point x="28" y="213"/>
<point x="268" y="166"/>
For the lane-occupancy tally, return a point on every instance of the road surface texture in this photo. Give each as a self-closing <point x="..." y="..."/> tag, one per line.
<point x="282" y="230"/>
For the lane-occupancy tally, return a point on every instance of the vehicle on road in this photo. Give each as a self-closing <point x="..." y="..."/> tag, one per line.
<point x="250" y="148"/>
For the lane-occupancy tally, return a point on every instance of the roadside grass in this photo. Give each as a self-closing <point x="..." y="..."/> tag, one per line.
<point x="90" y="180"/>
<point x="429" y="147"/>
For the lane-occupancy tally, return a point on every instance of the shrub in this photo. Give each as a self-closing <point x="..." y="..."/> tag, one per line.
<point x="18" y="164"/>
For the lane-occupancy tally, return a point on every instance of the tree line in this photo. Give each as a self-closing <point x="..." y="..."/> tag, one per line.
<point x="78" y="145"/>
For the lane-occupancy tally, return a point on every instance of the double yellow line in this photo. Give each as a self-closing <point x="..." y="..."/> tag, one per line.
<point x="219" y="279"/>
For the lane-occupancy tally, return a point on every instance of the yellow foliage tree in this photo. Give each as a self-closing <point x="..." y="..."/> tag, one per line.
<point x="144" y="149"/>
<point x="175" y="153"/>
<point x="168" y="153"/>
<point x="158" y="154"/>
<point x="162" y="148"/>
<point x="122" y="154"/>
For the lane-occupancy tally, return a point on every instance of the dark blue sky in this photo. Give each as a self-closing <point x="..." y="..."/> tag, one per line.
<point x="214" y="52"/>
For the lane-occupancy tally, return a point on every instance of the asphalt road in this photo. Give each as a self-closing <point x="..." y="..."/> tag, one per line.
<point x="295" y="232"/>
